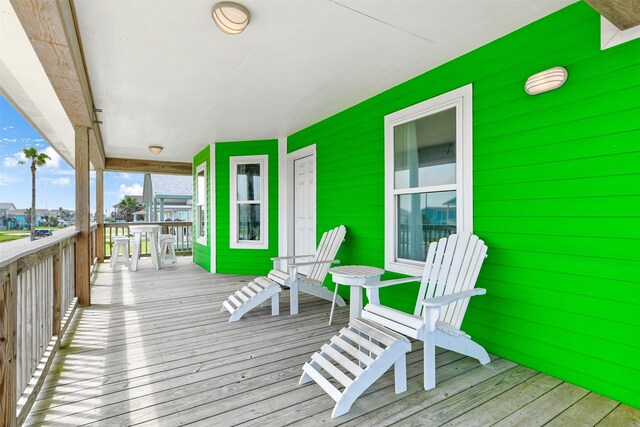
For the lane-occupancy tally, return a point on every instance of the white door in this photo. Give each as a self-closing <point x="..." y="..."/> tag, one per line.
<point x="304" y="210"/>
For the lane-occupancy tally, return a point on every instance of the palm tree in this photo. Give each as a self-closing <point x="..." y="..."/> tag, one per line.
<point x="37" y="160"/>
<point x="63" y="213"/>
<point x="128" y="206"/>
<point x="27" y="216"/>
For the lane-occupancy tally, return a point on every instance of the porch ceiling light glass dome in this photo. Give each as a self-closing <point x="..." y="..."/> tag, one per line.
<point x="155" y="149"/>
<point x="231" y="18"/>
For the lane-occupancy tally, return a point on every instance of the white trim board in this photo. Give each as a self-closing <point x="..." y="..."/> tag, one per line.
<point x="282" y="197"/>
<point x="212" y="204"/>
<point x="611" y="36"/>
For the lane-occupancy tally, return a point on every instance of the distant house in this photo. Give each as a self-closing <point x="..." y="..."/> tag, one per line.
<point x="18" y="219"/>
<point x="5" y="219"/>
<point x="4" y="207"/>
<point x="167" y="197"/>
<point x="136" y="216"/>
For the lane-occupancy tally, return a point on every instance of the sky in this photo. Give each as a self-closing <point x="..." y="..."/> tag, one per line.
<point x="55" y="182"/>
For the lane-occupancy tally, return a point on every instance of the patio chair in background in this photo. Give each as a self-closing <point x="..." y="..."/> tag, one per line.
<point x="267" y="288"/>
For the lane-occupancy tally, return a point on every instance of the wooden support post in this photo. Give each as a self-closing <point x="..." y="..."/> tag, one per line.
<point x="161" y="209"/>
<point x="83" y="262"/>
<point x="57" y="292"/>
<point x="8" y="319"/>
<point x="100" y="214"/>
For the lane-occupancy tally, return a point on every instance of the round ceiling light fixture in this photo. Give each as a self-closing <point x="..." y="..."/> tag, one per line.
<point x="231" y="18"/>
<point x="155" y="149"/>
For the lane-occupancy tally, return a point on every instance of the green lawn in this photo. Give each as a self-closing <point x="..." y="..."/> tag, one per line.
<point x="9" y="236"/>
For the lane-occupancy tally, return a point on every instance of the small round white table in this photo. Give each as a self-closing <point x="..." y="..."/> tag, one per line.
<point x="355" y="276"/>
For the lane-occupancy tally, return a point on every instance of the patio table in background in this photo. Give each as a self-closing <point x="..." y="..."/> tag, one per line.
<point x="152" y="233"/>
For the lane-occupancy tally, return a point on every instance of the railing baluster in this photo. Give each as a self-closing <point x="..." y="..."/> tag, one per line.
<point x="8" y="331"/>
<point x="57" y="297"/>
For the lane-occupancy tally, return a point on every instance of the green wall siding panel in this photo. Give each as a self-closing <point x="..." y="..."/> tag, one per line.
<point x="202" y="253"/>
<point x="556" y="197"/>
<point x="244" y="261"/>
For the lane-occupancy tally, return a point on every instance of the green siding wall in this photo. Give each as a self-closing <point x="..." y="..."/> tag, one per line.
<point x="202" y="253"/>
<point x="244" y="261"/>
<point x="556" y="197"/>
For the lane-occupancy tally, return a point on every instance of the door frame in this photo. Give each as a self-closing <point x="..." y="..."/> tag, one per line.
<point x="291" y="158"/>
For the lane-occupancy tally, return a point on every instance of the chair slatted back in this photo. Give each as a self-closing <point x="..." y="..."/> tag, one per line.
<point x="327" y="249"/>
<point x="452" y="265"/>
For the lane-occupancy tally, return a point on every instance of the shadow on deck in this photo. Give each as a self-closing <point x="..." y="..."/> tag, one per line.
<point x="155" y="349"/>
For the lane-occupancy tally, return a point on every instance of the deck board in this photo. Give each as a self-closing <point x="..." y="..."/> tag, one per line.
<point x="154" y="349"/>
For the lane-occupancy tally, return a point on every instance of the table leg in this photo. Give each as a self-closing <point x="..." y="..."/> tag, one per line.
<point x="355" y="304"/>
<point x="136" y="252"/>
<point x="154" y="249"/>
<point x="293" y="295"/>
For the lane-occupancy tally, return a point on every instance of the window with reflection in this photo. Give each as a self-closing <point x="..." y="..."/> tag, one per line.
<point x="201" y="204"/>
<point x="428" y="177"/>
<point x="248" y="200"/>
<point x="424" y="182"/>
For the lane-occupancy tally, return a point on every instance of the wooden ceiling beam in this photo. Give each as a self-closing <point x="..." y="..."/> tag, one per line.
<point x="116" y="164"/>
<point x="52" y="30"/>
<point x="624" y="14"/>
<point x="96" y="151"/>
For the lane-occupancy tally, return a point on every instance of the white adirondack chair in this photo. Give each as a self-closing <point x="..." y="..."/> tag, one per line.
<point x="269" y="288"/>
<point x="450" y="273"/>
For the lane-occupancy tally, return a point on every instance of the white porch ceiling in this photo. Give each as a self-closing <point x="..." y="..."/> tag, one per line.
<point x="164" y="74"/>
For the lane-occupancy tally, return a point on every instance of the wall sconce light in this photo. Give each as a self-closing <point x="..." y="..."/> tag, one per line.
<point x="231" y="18"/>
<point x="155" y="149"/>
<point x="546" y="80"/>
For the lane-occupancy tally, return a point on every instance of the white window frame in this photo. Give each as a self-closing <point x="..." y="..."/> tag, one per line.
<point x="462" y="100"/>
<point x="234" y="162"/>
<point x="202" y="240"/>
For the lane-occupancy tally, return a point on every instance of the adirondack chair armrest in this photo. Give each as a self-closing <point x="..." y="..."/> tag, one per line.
<point x="280" y="258"/>
<point x="448" y="299"/>
<point x="277" y="261"/>
<point x="392" y="282"/>
<point x="304" y="264"/>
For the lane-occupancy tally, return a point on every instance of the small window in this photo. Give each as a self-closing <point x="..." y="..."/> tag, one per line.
<point x="201" y="204"/>
<point x="249" y="194"/>
<point x="427" y="177"/>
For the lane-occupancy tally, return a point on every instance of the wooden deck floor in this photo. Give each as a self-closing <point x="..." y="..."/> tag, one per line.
<point x="154" y="349"/>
